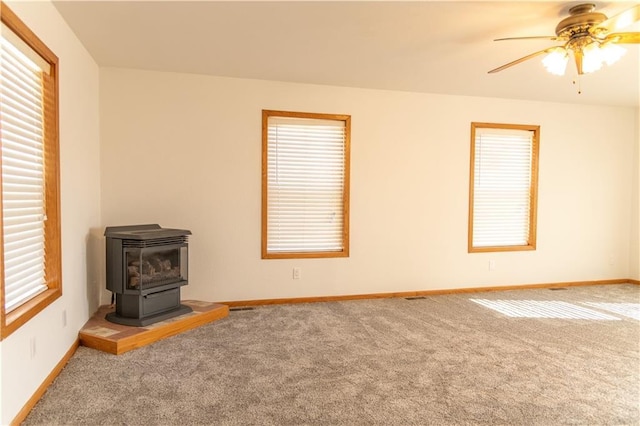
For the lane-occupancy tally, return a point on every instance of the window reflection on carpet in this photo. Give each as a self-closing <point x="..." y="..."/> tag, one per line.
<point x="543" y="309"/>
<point x="629" y="310"/>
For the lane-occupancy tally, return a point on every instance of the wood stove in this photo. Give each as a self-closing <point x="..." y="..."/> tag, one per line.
<point x="146" y="266"/>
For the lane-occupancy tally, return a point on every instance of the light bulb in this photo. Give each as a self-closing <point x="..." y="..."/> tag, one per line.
<point x="556" y="61"/>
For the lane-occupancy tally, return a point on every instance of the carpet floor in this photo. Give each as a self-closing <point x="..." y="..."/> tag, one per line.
<point x="523" y="357"/>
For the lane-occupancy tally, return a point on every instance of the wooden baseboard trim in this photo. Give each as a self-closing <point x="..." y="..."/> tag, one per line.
<point x="24" y="412"/>
<point x="294" y="300"/>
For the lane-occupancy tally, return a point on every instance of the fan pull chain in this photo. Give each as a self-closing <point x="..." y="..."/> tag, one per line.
<point x="577" y="81"/>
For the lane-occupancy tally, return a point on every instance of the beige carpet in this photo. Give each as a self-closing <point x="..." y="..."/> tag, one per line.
<point x="528" y="357"/>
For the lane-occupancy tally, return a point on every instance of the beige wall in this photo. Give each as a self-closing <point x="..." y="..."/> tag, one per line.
<point x="80" y="208"/>
<point x="634" y="267"/>
<point x="184" y="151"/>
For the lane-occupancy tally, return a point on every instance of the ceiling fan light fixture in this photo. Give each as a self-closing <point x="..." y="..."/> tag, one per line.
<point x="556" y="61"/>
<point x="591" y="57"/>
<point x="589" y="37"/>
<point x="611" y="53"/>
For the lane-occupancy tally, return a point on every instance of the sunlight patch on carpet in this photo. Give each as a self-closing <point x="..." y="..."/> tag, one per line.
<point x="629" y="310"/>
<point x="543" y="309"/>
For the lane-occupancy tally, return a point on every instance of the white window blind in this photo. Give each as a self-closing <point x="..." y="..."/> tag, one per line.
<point x="305" y="189"/>
<point x="502" y="187"/>
<point x="21" y="134"/>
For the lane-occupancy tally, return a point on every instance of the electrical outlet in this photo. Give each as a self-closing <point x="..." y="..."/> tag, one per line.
<point x="64" y="317"/>
<point x="296" y="273"/>
<point x="492" y="265"/>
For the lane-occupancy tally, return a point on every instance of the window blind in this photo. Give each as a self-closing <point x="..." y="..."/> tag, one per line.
<point x="502" y="187"/>
<point x="23" y="212"/>
<point x="305" y="189"/>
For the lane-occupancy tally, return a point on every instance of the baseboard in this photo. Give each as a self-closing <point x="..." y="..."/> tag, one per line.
<point x="293" y="300"/>
<point x="22" y="414"/>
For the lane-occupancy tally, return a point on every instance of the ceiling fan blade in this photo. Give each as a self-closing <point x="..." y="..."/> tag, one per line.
<point x="618" y="22"/>
<point x="524" y="58"/>
<point x="528" y="38"/>
<point x="623" y="38"/>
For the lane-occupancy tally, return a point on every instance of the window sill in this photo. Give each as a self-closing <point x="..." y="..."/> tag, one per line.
<point x="23" y="313"/>
<point x="306" y="255"/>
<point x="501" y="248"/>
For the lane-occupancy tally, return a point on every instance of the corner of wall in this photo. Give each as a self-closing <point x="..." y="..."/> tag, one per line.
<point x="634" y="244"/>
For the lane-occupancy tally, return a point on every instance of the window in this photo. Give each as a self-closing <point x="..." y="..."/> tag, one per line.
<point x="305" y="185"/>
<point x="30" y="220"/>
<point x="503" y="187"/>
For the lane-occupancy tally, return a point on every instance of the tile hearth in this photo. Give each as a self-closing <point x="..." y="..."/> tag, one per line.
<point x="98" y="333"/>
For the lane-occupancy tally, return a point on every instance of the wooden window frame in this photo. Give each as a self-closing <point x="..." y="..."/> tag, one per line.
<point x="533" y="189"/>
<point x="345" y="194"/>
<point x="13" y="320"/>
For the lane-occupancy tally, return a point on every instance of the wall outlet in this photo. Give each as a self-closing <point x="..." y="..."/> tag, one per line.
<point x="64" y="317"/>
<point x="492" y="265"/>
<point x="296" y="273"/>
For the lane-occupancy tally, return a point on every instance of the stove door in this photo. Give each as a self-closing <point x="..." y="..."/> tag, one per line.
<point x="152" y="267"/>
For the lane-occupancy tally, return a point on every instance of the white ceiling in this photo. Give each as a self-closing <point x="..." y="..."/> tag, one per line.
<point x="421" y="46"/>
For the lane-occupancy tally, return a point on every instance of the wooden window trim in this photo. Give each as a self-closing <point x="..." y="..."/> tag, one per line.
<point x="346" y="191"/>
<point x="11" y="321"/>
<point x="533" y="189"/>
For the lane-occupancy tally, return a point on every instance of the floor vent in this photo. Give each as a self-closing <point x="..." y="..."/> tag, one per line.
<point x="415" y="298"/>
<point x="557" y="288"/>
<point x="246" y="308"/>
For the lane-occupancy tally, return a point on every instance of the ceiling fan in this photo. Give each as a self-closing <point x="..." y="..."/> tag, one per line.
<point x="589" y="36"/>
